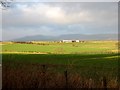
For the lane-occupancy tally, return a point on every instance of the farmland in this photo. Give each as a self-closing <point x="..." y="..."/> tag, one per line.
<point x="92" y="64"/>
<point x="62" y="48"/>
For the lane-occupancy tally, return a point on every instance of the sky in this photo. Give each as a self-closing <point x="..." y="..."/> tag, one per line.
<point x="57" y="18"/>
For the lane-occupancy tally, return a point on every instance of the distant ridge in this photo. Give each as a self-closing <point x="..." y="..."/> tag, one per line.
<point x="69" y="36"/>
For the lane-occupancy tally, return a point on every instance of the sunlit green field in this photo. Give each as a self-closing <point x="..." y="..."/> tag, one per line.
<point x="63" y="48"/>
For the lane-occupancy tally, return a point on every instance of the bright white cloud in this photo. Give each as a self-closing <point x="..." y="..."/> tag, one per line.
<point x="44" y="13"/>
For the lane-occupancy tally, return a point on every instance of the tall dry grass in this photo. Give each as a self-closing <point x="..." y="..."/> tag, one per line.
<point x="22" y="75"/>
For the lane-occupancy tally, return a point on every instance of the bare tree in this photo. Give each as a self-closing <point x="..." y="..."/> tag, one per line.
<point x="5" y="3"/>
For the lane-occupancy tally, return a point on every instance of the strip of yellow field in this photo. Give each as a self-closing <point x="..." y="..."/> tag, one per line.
<point x="115" y="51"/>
<point x="23" y="53"/>
<point x="14" y="52"/>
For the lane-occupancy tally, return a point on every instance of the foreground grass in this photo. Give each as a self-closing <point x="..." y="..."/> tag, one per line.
<point x="24" y="70"/>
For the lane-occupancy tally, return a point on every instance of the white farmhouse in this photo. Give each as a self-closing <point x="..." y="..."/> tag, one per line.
<point x="67" y="41"/>
<point x="77" y="40"/>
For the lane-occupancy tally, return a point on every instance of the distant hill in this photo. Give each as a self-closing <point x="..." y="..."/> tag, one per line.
<point x="69" y="36"/>
<point x="35" y="38"/>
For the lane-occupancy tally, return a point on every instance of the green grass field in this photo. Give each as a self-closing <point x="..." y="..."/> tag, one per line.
<point x="91" y="59"/>
<point x="24" y="68"/>
<point x="102" y="61"/>
<point x="63" y="48"/>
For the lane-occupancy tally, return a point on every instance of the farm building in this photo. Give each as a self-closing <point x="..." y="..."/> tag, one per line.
<point x="69" y="41"/>
<point x="77" y="40"/>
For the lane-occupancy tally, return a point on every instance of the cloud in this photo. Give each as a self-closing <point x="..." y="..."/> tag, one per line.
<point x="67" y="0"/>
<point x="43" y="13"/>
<point x="59" y="18"/>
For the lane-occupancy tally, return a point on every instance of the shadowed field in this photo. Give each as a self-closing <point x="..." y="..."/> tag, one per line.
<point x="49" y="71"/>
